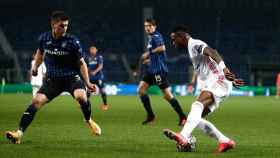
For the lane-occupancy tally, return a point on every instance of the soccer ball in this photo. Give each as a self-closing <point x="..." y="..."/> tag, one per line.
<point x="188" y="147"/>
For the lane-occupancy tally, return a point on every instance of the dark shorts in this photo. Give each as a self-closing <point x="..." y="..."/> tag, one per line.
<point x="156" y="79"/>
<point x="52" y="87"/>
<point x="99" y="83"/>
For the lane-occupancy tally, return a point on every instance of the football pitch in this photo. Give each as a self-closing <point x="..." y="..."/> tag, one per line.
<point x="58" y="130"/>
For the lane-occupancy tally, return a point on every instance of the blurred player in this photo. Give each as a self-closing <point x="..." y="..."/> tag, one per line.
<point x="37" y="81"/>
<point x="156" y="73"/>
<point x="209" y="66"/>
<point x="95" y="66"/>
<point x="278" y="86"/>
<point x="62" y="54"/>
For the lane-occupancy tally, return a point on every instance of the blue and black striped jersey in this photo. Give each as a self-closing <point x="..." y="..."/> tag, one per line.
<point x="62" y="55"/>
<point x="157" y="62"/>
<point x="93" y="62"/>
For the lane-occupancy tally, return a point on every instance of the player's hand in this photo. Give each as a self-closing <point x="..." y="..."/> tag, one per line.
<point x="238" y="82"/>
<point x="145" y="55"/>
<point x="34" y="71"/>
<point x="91" y="87"/>
<point x="93" y="73"/>
<point x="229" y="75"/>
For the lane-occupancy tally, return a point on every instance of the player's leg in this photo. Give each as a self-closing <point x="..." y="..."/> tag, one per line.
<point x="168" y="96"/>
<point x="37" y="102"/>
<point x="142" y="88"/>
<point x="77" y="89"/>
<point x="278" y="90"/>
<point x="35" y="89"/>
<point x="102" y="91"/>
<point x="49" y="90"/>
<point x="204" y="100"/>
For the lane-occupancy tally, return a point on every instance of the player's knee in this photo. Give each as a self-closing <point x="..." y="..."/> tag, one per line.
<point x="37" y="103"/>
<point x="80" y="97"/>
<point x="197" y="104"/>
<point x="167" y="95"/>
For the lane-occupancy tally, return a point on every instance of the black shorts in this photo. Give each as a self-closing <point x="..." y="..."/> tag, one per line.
<point x="156" y="79"/>
<point x="52" y="87"/>
<point x="99" y="83"/>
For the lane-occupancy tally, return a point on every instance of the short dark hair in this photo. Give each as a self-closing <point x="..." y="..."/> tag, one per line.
<point x="181" y="28"/>
<point x="59" y="15"/>
<point x="151" y="21"/>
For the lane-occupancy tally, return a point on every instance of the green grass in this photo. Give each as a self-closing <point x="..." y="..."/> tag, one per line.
<point x="58" y="129"/>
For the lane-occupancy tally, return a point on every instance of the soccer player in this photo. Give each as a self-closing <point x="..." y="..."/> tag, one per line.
<point x="37" y="81"/>
<point x="210" y="67"/>
<point x="278" y="86"/>
<point x="95" y="66"/>
<point x="156" y="73"/>
<point x="62" y="54"/>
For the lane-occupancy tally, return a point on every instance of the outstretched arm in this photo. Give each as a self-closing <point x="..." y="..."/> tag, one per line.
<point x="216" y="57"/>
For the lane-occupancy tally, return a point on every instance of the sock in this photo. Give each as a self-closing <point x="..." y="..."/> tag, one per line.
<point x="27" y="117"/>
<point x="209" y="129"/>
<point x="86" y="109"/>
<point x="176" y="106"/>
<point x="104" y="97"/>
<point x="193" y="120"/>
<point x="147" y="104"/>
<point x="88" y="94"/>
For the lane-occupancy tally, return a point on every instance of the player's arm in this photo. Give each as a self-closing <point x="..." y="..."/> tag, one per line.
<point x="145" y="55"/>
<point x="159" y="49"/>
<point x="191" y="84"/>
<point x="39" y="57"/>
<point x="84" y="73"/>
<point x="218" y="59"/>
<point x="99" y="68"/>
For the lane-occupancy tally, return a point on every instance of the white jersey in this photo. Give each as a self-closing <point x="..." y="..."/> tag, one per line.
<point x="204" y="66"/>
<point x="208" y="71"/>
<point x="38" y="80"/>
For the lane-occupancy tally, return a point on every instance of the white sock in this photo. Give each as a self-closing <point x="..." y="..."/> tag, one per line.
<point x="20" y="133"/>
<point x="193" y="119"/>
<point x="209" y="129"/>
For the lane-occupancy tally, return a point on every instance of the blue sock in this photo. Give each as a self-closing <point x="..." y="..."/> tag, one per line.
<point x="86" y="109"/>
<point x="176" y="106"/>
<point x="27" y="117"/>
<point x="147" y="104"/>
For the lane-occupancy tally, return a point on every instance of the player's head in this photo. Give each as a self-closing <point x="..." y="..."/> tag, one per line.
<point x="93" y="50"/>
<point x="150" y="26"/>
<point x="179" y="36"/>
<point x="59" y="23"/>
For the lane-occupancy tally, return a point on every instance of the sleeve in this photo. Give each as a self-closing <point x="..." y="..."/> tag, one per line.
<point x="157" y="40"/>
<point x="44" y="68"/>
<point x="41" y="43"/>
<point x="197" y="48"/>
<point x="78" y="49"/>
<point x="100" y="59"/>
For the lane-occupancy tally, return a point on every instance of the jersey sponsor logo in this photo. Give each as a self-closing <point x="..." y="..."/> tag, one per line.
<point x="55" y="52"/>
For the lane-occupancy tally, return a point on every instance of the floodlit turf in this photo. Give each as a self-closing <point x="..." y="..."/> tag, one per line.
<point x="59" y="131"/>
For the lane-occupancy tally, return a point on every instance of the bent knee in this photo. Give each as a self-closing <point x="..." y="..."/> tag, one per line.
<point x="37" y="103"/>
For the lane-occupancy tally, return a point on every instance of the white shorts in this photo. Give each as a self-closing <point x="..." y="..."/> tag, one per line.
<point x="220" y="90"/>
<point x="35" y="90"/>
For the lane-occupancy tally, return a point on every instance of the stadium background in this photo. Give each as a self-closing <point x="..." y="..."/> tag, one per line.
<point x="244" y="31"/>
